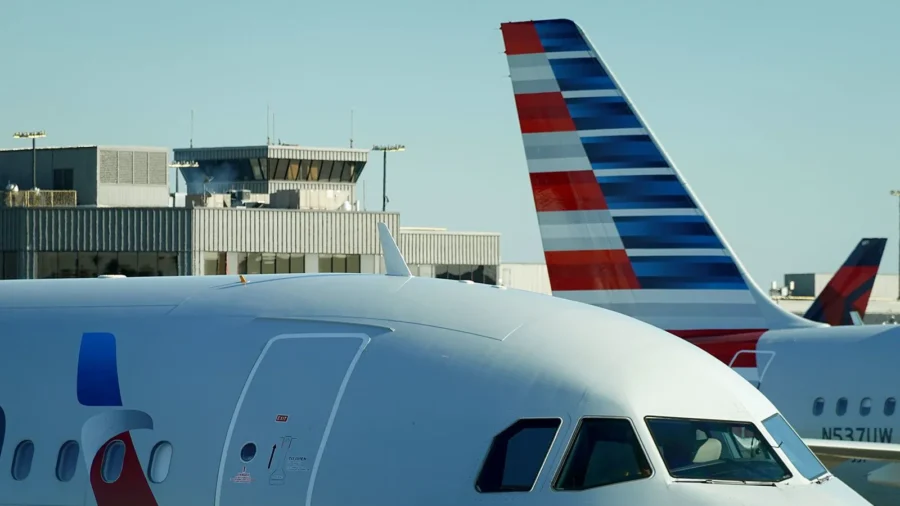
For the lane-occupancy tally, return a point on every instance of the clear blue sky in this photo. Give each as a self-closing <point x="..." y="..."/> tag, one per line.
<point x="782" y="115"/>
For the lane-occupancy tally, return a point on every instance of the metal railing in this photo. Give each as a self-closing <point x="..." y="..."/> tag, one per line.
<point x="40" y="198"/>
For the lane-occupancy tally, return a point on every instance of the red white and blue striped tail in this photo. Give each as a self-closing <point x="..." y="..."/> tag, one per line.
<point x="620" y="227"/>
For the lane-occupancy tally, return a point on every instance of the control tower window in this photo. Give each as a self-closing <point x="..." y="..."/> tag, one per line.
<point x="517" y="455"/>
<point x="605" y="451"/>
<point x="716" y="450"/>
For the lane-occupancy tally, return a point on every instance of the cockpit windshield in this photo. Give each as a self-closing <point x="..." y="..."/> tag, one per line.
<point x="716" y="450"/>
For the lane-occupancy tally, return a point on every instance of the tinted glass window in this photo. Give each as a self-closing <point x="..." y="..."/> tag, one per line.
<point x="160" y="460"/>
<point x="865" y="406"/>
<point x="841" y="407"/>
<point x="113" y="461"/>
<point x="716" y="450"/>
<point x="21" y="464"/>
<point x="67" y="461"/>
<point x="793" y="447"/>
<point x="818" y="406"/>
<point x="605" y="451"/>
<point x="2" y="430"/>
<point x="516" y="456"/>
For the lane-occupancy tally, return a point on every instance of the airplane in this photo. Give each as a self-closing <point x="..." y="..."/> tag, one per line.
<point x="845" y="298"/>
<point x="324" y="389"/>
<point x="622" y="230"/>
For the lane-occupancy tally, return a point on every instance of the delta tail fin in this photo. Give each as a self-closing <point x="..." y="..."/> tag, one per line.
<point x="850" y="288"/>
<point x="620" y="227"/>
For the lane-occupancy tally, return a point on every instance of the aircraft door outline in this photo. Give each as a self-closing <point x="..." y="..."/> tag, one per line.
<point x="275" y="459"/>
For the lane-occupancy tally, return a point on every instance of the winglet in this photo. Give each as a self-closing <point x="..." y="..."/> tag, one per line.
<point x="394" y="264"/>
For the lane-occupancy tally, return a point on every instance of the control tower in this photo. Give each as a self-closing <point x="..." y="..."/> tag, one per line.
<point x="326" y="177"/>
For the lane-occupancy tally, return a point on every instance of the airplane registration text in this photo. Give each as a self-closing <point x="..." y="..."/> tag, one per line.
<point x="868" y="434"/>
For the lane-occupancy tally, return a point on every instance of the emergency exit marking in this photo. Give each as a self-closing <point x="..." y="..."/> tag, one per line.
<point x="281" y="418"/>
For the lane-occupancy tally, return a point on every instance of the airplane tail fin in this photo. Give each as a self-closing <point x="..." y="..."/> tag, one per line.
<point x="849" y="289"/>
<point x="620" y="227"/>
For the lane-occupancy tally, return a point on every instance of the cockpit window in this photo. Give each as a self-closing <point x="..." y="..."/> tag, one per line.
<point x="793" y="447"/>
<point x="715" y="450"/>
<point x="517" y="455"/>
<point x="605" y="451"/>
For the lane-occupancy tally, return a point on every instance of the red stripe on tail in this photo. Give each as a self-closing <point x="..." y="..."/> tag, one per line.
<point x="521" y="38"/>
<point x="567" y="191"/>
<point x="590" y="270"/>
<point x="543" y="112"/>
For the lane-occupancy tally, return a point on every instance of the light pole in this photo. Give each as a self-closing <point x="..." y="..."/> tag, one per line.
<point x="385" y="149"/>
<point x="33" y="136"/>
<point x="896" y="193"/>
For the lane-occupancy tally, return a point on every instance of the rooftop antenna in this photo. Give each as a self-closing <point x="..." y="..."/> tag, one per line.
<point x="273" y="126"/>
<point x="192" y="128"/>
<point x="268" y="139"/>
<point x="394" y="264"/>
<point x="351" y="128"/>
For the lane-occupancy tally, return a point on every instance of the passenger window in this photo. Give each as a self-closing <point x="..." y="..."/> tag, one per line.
<point x="865" y="406"/>
<point x="21" y="464"/>
<point x="818" y="406"/>
<point x="517" y="455"/>
<point x="889" y="406"/>
<point x="160" y="460"/>
<point x="67" y="461"/>
<point x="113" y="461"/>
<point x="841" y="407"/>
<point x="2" y="430"/>
<point x="605" y="451"/>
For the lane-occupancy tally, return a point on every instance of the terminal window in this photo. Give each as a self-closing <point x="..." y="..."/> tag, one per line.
<point x="9" y="265"/>
<point x="90" y="264"/>
<point x="267" y="263"/>
<point x="486" y="274"/>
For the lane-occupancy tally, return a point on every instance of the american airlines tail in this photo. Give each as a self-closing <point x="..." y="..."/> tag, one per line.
<point x="620" y="227"/>
<point x="850" y="287"/>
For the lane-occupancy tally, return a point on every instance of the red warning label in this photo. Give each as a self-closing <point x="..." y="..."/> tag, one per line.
<point x="281" y="418"/>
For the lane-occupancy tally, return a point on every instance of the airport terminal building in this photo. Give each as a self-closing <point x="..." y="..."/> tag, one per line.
<point x="255" y="209"/>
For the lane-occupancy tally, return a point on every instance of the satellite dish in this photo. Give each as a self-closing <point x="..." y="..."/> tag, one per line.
<point x="346" y="206"/>
<point x="12" y="187"/>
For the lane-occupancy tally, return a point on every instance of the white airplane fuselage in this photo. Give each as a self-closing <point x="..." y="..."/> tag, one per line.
<point x="337" y="389"/>
<point x="806" y="374"/>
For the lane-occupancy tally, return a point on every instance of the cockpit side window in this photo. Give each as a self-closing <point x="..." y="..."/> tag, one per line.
<point x="605" y="451"/>
<point x="793" y="447"/>
<point x="517" y="455"/>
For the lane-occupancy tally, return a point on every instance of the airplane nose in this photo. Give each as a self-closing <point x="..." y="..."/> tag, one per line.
<point x="830" y="493"/>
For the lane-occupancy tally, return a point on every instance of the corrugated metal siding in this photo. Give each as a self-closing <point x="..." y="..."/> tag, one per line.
<point x="111" y="229"/>
<point x="449" y="248"/>
<point x="289" y="231"/>
<point x="12" y="222"/>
